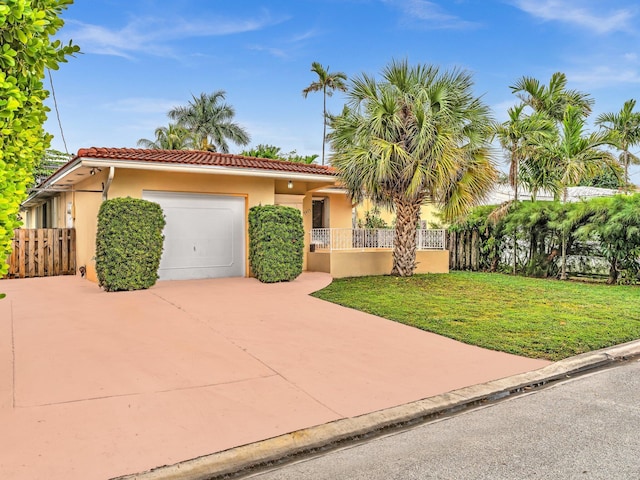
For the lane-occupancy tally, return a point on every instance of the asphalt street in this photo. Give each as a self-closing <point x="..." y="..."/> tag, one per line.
<point x="584" y="428"/>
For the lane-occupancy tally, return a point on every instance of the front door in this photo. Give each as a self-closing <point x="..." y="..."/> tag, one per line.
<point x="318" y="214"/>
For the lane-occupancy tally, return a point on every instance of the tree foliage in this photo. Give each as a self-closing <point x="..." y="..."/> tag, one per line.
<point x="624" y="126"/>
<point x="417" y="134"/>
<point x="603" y="230"/>
<point x="552" y="99"/>
<point x="264" y="151"/>
<point x="210" y="120"/>
<point x="520" y="136"/>
<point x="172" y="137"/>
<point x="327" y="83"/>
<point x="27" y="49"/>
<point x="276" y="153"/>
<point x="615" y="224"/>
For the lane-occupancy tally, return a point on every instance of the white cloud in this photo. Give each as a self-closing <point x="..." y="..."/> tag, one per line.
<point x="276" y="52"/>
<point x="151" y="35"/>
<point x="429" y="14"/>
<point x="605" y="76"/>
<point x="305" y="36"/>
<point x="577" y="12"/>
<point x="288" y="47"/>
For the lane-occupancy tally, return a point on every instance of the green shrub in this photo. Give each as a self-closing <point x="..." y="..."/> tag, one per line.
<point x="29" y="47"/>
<point x="128" y="244"/>
<point x="276" y="243"/>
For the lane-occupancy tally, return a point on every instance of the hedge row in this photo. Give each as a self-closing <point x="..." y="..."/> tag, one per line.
<point x="606" y="228"/>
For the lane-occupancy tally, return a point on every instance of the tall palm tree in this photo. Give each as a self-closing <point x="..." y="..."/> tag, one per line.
<point x="327" y="82"/>
<point x="625" y="127"/>
<point x="552" y="99"/>
<point x="519" y="136"/>
<point x="416" y="134"/>
<point x="574" y="155"/>
<point x="172" y="137"/>
<point x="210" y="120"/>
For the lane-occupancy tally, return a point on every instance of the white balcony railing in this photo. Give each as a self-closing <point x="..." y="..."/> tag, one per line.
<point x="361" y="239"/>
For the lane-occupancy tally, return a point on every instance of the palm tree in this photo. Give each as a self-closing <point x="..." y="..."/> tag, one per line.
<point x="327" y="82"/>
<point x="263" y="151"/>
<point x="574" y="155"/>
<point x="552" y="99"/>
<point x="417" y="134"/>
<point x="172" y="137"/>
<point x="210" y="120"/>
<point x="519" y="136"/>
<point x="625" y="127"/>
<point x="538" y="173"/>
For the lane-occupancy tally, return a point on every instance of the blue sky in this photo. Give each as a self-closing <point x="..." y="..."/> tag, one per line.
<point x="142" y="57"/>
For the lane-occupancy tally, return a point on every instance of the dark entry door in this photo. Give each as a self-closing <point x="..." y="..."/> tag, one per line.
<point x="318" y="213"/>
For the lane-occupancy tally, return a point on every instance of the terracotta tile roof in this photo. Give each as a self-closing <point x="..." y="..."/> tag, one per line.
<point x="194" y="157"/>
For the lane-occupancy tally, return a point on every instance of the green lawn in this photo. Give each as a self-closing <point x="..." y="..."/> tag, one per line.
<point x="531" y="317"/>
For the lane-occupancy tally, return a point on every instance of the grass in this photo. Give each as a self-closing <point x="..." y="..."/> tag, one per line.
<point x="531" y="317"/>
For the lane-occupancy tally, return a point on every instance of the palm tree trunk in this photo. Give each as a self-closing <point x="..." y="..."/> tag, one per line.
<point x="404" y="247"/>
<point x="563" y="271"/>
<point x="613" y="272"/>
<point x="626" y="171"/>
<point x="515" y="189"/>
<point x="324" y="120"/>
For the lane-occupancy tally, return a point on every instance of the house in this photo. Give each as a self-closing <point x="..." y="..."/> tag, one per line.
<point x="205" y="197"/>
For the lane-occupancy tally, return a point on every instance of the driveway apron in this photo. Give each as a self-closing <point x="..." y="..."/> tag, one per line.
<point x="94" y="385"/>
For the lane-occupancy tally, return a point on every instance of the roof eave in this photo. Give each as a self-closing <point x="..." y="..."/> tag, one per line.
<point x="47" y="184"/>
<point x="209" y="169"/>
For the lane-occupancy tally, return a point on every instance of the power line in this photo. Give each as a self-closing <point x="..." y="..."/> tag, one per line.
<point x="55" y="104"/>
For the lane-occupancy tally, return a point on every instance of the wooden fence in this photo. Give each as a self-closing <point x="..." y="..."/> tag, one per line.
<point x="464" y="250"/>
<point x="43" y="252"/>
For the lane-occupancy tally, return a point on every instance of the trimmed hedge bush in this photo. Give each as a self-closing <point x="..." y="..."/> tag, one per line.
<point x="276" y="243"/>
<point x="128" y="244"/>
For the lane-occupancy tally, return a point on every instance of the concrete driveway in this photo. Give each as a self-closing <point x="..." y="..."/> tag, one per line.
<point x="95" y="385"/>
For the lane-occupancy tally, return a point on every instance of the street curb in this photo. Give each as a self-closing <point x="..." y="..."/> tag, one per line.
<point x="275" y="450"/>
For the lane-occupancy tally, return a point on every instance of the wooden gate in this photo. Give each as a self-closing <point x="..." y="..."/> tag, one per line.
<point x="43" y="252"/>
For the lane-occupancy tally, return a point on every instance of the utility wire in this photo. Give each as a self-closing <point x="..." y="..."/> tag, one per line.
<point x="55" y="104"/>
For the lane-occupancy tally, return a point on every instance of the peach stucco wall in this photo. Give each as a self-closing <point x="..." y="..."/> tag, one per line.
<point x="428" y="212"/>
<point x="340" y="211"/>
<point x="374" y="262"/>
<point x="132" y="183"/>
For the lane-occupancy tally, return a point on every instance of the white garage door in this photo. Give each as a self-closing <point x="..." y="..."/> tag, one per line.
<point x="204" y="235"/>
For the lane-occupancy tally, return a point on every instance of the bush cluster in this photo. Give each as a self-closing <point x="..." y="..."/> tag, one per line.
<point x="276" y="243"/>
<point x="29" y="28"/>
<point x="128" y="244"/>
<point x="605" y="229"/>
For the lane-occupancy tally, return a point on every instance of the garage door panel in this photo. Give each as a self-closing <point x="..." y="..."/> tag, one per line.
<point x="204" y="235"/>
